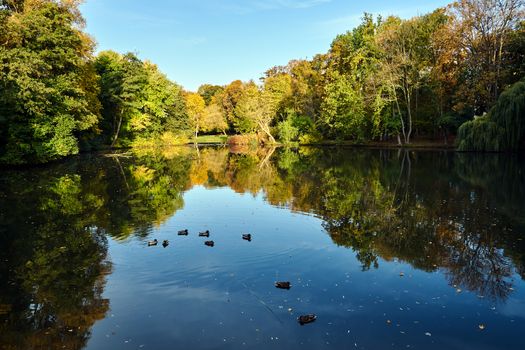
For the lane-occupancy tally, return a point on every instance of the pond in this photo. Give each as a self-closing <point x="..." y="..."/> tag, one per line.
<point x="389" y="249"/>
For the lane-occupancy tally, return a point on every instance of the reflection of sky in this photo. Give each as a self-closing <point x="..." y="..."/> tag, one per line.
<point x="515" y="306"/>
<point x="192" y="296"/>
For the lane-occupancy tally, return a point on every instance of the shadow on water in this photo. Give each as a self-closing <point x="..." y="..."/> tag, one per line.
<point x="461" y="214"/>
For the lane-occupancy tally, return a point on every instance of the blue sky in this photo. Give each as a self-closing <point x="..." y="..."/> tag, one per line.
<point x="217" y="41"/>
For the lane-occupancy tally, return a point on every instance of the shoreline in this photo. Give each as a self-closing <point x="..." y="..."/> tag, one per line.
<point x="415" y="146"/>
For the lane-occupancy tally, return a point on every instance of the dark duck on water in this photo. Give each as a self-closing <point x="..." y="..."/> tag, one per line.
<point x="283" y="285"/>
<point x="304" y="319"/>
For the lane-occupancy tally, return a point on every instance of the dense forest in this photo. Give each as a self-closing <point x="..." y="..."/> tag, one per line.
<point x="389" y="79"/>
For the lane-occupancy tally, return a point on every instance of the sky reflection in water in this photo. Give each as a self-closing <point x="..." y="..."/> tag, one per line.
<point x="390" y="250"/>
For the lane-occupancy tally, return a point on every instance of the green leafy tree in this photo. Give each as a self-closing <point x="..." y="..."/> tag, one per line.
<point x="208" y="92"/>
<point x="48" y="95"/>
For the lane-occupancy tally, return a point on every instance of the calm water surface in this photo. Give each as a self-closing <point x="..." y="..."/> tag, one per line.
<point x="390" y="249"/>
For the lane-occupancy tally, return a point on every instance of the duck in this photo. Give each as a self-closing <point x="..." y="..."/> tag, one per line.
<point x="209" y="243"/>
<point x="247" y="236"/>
<point x="165" y="243"/>
<point x="304" y="319"/>
<point x="183" y="232"/>
<point x="283" y="285"/>
<point x="204" y="234"/>
<point x="152" y="243"/>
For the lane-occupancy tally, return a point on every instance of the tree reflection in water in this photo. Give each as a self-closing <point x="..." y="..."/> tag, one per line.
<point x="460" y="213"/>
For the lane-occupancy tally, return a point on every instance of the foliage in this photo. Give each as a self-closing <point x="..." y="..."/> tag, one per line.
<point x="502" y="129"/>
<point x="208" y="92"/>
<point x="46" y="79"/>
<point x="138" y="101"/>
<point x="195" y="108"/>
<point x="213" y="119"/>
<point x="287" y="131"/>
<point x="387" y="79"/>
<point x="246" y="139"/>
<point x="342" y="113"/>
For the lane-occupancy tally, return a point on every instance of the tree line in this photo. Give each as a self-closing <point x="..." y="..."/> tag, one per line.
<point x="387" y="79"/>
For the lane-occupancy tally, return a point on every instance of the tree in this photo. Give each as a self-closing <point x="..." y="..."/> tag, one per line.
<point x="407" y="63"/>
<point x="195" y="108"/>
<point x="48" y="95"/>
<point x="502" y="129"/>
<point x="248" y="109"/>
<point x="342" y="111"/>
<point x="139" y="102"/>
<point x="208" y="91"/>
<point x="483" y="27"/>
<point x="256" y="109"/>
<point x="123" y="80"/>
<point x="214" y="119"/>
<point x="349" y="87"/>
<point x="229" y="99"/>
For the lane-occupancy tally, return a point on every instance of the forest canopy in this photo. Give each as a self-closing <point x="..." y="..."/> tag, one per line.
<point x="388" y="79"/>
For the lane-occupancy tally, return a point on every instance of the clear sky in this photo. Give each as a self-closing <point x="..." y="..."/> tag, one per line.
<point x="217" y="41"/>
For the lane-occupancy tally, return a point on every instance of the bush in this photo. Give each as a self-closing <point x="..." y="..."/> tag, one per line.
<point x="287" y="131"/>
<point x="247" y="139"/>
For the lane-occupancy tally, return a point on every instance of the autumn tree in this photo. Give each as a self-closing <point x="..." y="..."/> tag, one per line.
<point x="195" y="107"/>
<point x="483" y="29"/>
<point x="214" y="119"/>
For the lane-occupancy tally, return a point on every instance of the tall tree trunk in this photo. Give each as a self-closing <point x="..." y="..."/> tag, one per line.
<point x="115" y="137"/>
<point x="196" y="135"/>
<point x="400" y="116"/>
<point x="266" y="130"/>
<point x="409" y="112"/>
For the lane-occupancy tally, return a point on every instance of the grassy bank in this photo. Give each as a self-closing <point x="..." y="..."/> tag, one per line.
<point x="210" y="139"/>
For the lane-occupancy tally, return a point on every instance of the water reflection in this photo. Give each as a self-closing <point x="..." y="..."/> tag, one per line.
<point x="461" y="214"/>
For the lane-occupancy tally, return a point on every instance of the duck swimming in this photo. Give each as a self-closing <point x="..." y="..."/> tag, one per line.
<point x="209" y="243"/>
<point x="283" y="285"/>
<point x="304" y="319"/>
<point x="152" y="243"/>
<point x="247" y="237"/>
<point x="165" y="243"/>
<point x="183" y="232"/>
<point x="204" y="234"/>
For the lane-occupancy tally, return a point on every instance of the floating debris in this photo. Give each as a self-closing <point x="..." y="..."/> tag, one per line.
<point x="304" y="319"/>
<point x="204" y="234"/>
<point x="481" y="326"/>
<point x="153" y="243"/>
<point x="165" y="243"/>
<point x="209" y="243"/>
<point x="428" y="334"/>
<point x="183" y="232"/>
<point x="283" y="285"/>
<point x="247" y="237"/>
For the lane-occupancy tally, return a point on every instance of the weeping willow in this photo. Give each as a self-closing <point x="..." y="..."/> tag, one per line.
<point x="502" y="129"/>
